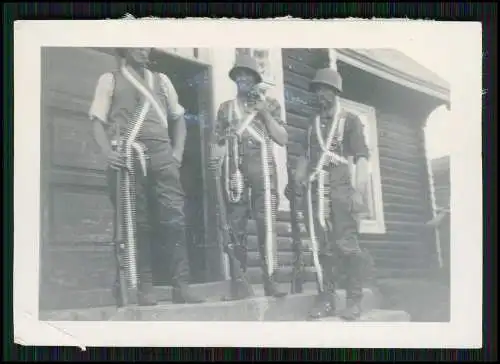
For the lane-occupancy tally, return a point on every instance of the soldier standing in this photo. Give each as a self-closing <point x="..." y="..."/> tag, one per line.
<point x="137" y="108"/>
<point x="338" y="236"/>
<point x="249" y="170"/>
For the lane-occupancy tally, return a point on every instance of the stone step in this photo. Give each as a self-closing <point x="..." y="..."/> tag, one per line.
<point x="377" y="315"/>
<point x="260" y="308"/>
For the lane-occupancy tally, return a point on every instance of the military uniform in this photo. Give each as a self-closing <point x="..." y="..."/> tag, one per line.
<point x="252" y="202"/>
<point x="158" y="195"/>
<point x="339" y="248"/>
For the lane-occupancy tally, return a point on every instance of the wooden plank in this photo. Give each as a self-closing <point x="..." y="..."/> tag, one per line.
<point x="297" y="121"/>
<point x="299" y="68"/>
<point x="405" y="216"/>
<point x="73" y="143"/>
<point x="297" y="96"/>
<point x="81" y="216"/>
<point x="284" y="259"/>
<point x="403" y="208"/>
<point x="391" y="160"/>
<point x="386" y="132"/>
<point x="317" y="58"/>
<point x="296" y="134"/>
<point x="417" y="186"/>
<point x="76" y="269"/>
<point x="62" y="62"/>
<point x="405" y="129"/>
<point x="402" y="198"/>
<point x="78" y="178"/>
<point x="296" y="80"/>
<point x="400" y="145"/>
<point x="391" y="170"/>
<point x="401" y="155"/>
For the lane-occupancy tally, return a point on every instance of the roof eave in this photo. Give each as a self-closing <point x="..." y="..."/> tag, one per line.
<point x="367" y="64"/>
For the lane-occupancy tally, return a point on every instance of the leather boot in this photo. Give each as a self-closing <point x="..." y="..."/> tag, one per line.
<point x="182" y="293"/>
<point x="240" y="287"/>
<point x="324" y="305"/>
<point x="271" y="288"/>
<point x="354" y="288"/>
<point x="146" y="294"/>
<point x="352" y="311"/>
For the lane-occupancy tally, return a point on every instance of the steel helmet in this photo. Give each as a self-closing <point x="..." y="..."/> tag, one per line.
<point x="328" y="77"/>
<point x="245" y="62"/>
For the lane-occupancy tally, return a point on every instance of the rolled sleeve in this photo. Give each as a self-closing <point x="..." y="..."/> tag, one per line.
<point x="275" y="111"/>
<point x="175" y="110"/>
<point x="357" y="145"/>
<point x="103" y="94"/>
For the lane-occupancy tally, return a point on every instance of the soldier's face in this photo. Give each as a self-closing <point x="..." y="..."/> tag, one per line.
<point x="245" y="81"/>
<point x="325" y="96"/>
<point x="139" y="55"/>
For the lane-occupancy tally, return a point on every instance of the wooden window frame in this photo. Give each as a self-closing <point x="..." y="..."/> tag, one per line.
<point x="367" y="115"/>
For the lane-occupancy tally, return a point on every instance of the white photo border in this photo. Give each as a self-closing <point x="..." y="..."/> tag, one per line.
<point x="465" y="328"/>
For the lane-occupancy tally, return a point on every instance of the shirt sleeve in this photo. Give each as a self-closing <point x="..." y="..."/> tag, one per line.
<point x="103" y="94"/>
<point x="355" y="138"/>
<point x="175" y="110"/>
<point x="275" y="110"/>
<point x="304" y="143"/>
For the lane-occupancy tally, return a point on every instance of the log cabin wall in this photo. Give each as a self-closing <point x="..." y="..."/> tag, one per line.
<point x="407" y="248"/>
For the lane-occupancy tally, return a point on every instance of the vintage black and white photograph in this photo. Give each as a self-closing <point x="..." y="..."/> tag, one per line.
<point x="244" y="184"/>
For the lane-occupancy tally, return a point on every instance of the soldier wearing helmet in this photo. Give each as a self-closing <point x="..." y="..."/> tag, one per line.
<point x="338" y="235"/>
<point x="245" y="156"/>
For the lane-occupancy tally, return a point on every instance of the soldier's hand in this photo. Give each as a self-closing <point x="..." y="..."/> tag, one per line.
<point x="115" y="160"/>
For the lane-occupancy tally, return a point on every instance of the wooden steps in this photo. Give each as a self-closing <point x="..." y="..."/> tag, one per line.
<point x="260" y="308"/>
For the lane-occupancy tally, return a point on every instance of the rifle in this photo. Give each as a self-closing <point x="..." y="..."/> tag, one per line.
<point x="119" y="241"/>
<point x="298" y="263"/>
<point x="226" y="230"/>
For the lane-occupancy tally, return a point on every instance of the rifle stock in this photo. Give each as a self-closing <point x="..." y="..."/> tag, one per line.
<point x="225" y="228"/>
<point x="298" y="263"/>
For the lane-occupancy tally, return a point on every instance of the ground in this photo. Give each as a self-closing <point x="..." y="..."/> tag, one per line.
<point x="425" y="301"/>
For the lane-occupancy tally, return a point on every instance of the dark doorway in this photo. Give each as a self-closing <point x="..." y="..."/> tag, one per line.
<point x="191" y="82"/>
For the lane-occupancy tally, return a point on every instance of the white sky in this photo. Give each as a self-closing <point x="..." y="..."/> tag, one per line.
<point x="438" y="61"/>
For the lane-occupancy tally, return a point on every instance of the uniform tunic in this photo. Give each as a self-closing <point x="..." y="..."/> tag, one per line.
<point x="159" y="196"/>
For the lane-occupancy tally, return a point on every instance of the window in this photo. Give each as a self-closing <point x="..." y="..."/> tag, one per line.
<point x="374" y="224"/>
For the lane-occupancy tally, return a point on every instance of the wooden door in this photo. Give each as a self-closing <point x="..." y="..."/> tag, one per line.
<point x="77" y="261"/>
